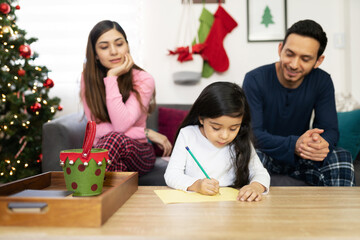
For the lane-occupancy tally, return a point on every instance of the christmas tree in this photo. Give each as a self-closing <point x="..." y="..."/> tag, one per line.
<point x="267" y="17"/>
<point x="25" y="104"/>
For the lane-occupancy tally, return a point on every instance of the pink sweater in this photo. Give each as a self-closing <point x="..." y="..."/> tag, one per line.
<point x="127" y="118"/>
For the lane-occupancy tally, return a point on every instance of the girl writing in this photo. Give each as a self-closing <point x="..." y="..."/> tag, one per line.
<point x="118" y="95"/>
<point x="218" y="132"/>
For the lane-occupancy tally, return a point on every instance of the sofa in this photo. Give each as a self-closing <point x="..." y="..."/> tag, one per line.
<point x="67" y="132"/>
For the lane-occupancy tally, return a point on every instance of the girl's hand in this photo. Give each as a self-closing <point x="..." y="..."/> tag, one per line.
<point x="251" y="192"/>
<point x="205" y="186"/>
<point x="123" y="68"/>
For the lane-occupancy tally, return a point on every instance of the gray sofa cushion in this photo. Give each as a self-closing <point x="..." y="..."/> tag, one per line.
<point x="66" y="132"/>
<point x="156" y="176"/>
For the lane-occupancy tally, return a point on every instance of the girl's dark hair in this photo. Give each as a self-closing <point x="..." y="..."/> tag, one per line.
<point x="225" y="98"/>
<point x="95" y="72"/>
<point x="309" y="28"/>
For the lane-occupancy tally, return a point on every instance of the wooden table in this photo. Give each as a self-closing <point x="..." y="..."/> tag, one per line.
<point x="286" y="213"/>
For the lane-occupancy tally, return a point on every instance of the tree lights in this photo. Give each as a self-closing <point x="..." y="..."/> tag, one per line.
<point x="24" y="101"/>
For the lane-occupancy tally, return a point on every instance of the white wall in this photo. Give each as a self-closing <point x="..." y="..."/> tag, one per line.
<point x="62" y="28"/>
<point x="158" y="21"/>
<point x="353" y="51"/>
<point x="160" y="32"/>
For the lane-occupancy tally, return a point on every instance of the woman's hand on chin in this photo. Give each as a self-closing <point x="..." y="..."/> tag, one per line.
<point x="123" y="68"/>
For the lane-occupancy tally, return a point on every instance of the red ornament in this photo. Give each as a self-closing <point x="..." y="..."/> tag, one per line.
<point x="35" y="107"/>
<point x="17" y="7"/>
<point x="60" y="108"/>
<point x="5" y="8"/>
<point x="39" y="160"/>
<point x="21" y="72"/>
<point x="49" y="83"/>
<point x="25" y="51"/>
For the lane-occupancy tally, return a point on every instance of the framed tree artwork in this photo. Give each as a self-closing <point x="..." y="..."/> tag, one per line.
<point x="266" y="20"/>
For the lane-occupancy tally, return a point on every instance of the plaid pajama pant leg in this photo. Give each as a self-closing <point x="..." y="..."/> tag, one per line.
<point x="336" y="170"/>
<point x="126" y="154"/>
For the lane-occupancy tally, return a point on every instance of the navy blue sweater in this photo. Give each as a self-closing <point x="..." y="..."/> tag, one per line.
<point x="281" y="115"/>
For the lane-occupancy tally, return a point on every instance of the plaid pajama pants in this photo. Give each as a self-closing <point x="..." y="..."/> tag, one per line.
<point x="126" y="154"/>
<point x="336" y="170"/>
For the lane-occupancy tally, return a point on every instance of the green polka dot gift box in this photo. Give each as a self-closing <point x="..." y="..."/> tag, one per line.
<point x="84" y="169"/>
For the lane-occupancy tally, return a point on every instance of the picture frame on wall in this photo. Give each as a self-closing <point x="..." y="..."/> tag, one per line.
<point x="266" y="20"/>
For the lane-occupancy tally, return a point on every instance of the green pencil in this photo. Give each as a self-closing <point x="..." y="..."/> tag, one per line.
<point x="192" y="155"/>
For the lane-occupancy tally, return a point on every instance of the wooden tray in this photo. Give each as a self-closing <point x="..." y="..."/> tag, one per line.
<point x="66" y="211"/>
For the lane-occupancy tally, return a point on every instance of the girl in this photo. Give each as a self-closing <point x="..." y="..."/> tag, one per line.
<point x="217" y="130"/>
<point x="118" y="95"/>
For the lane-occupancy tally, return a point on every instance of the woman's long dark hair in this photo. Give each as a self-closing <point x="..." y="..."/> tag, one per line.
<point x="226" y="99"/>
<point x="95" y="72"/>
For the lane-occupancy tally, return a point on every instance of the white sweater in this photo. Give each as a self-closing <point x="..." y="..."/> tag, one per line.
<point x="182" y="171"/>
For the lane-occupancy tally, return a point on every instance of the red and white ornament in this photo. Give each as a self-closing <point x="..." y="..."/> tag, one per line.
<point x="49" y="83"/>
<point x="25" y="51"/>
<point x="5" y="8"/>
<point x="60" y="108"/>
<point x="35" y="107"/>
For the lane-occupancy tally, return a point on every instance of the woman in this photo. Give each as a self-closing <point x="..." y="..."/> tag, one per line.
<point x="118" y="95"/>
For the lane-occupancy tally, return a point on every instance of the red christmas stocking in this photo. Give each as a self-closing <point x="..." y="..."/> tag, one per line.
<point x="214" y="51"/>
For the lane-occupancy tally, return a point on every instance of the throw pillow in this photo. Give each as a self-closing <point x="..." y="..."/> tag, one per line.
<point x="349" y="128"/>
<point x="169" y="120"/>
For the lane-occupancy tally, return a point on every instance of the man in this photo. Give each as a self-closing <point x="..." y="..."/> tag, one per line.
<point x="282" y="97"/>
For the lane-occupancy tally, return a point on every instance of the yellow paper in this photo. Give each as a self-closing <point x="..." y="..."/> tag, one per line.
<point x="178" y="196"/>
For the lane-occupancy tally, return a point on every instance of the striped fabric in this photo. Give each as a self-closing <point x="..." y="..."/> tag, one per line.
<point x="336" y="170"/>
<point x="126" y="154"/>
